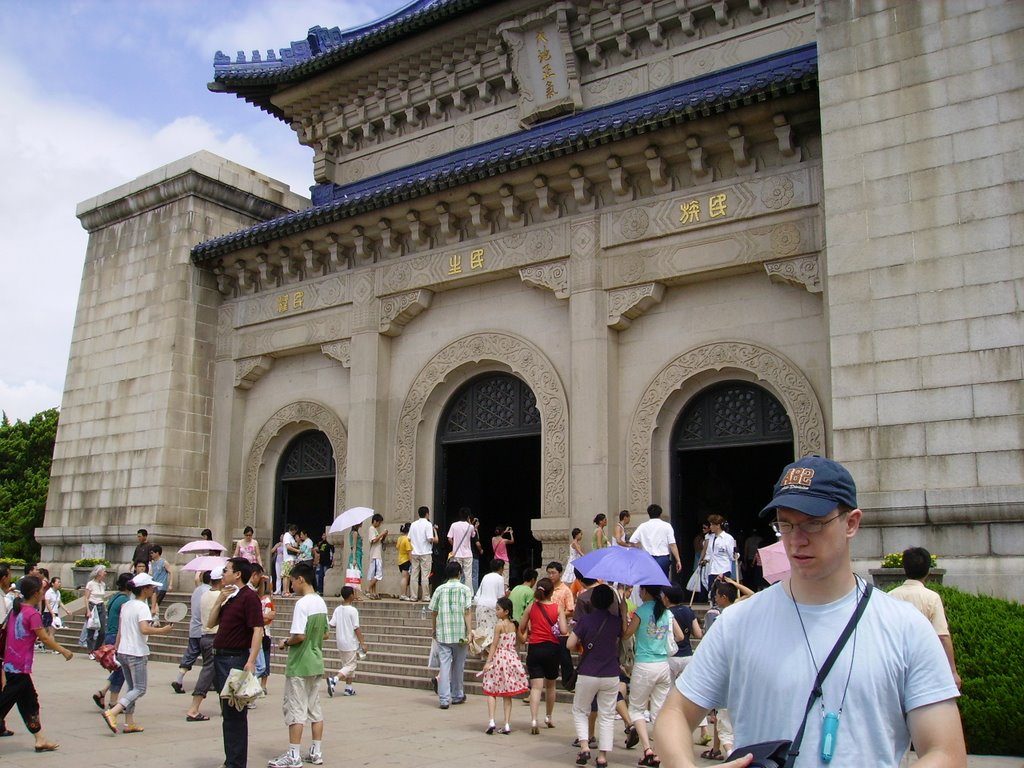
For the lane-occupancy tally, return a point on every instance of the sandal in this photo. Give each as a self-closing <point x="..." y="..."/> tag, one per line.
<point x="632" y="737"/>
<point x="649" y="759"/>
<point x="533" y="728"/>
<point x="47" y="747"/>
<point x="132" y="728"/>
<point x="548" y="723"/>
<point x="200" y="718"/>
<point x="110" y="720"/>
<point x="711" y="754"/>
<point x="601" y="763"/>
<point x="582" y="758"/>
<point x="98" y="700"/>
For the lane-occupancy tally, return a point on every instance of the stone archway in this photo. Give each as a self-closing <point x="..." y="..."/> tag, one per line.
<point x="781" y="376"/>
<point x="527" y="362"/>
<point x="304" y="411"/>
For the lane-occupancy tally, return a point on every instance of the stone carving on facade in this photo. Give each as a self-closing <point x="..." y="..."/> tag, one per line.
<point x="801" y="271"/>
<point x="614" y="88"/>
<point x="340" y="350"/>
<point x="249" y="370"/>
<point x="553" y="276"/>
<point x="225" y="325"/>
<point x="304" y="411"/>
<point x="524" y="360"/>
<point x="744" y="199"/>
<point x="786" y="381"/>
<point x="397" y="311"/>
<point x="627" y="304"/>
<point x="544" y="64"/>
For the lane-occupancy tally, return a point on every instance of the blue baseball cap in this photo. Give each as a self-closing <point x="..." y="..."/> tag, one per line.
<point x="815" y="486"/>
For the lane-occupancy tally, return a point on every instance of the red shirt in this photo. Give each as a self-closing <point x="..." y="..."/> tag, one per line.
<point x="543" y="619"/>
<point x="239" y="616"/>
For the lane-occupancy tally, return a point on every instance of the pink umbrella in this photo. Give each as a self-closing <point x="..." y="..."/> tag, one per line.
<point x="774" y="562"/>
<point x="202" y="545"/>
<point x="204" y="563"/>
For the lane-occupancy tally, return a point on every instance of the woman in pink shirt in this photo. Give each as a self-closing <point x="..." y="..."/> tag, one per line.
<point x="499" y="543"/>
<point x="24" y="628"/>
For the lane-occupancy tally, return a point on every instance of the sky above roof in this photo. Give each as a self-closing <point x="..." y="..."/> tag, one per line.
<point x="96" y="93"/>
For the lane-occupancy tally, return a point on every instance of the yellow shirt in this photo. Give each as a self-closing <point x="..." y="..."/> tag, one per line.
<point x="404" y="547"/>
<point x="927" y="602"/>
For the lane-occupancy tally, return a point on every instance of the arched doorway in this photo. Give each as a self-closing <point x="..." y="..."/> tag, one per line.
<point x="488" y="459"/>
<point x="728" y="447"/>
<point x="305" y="484"/>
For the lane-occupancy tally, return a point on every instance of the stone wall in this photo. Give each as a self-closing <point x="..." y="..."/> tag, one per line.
<point x="922" y="131"/>
<point x="133" y="444"/>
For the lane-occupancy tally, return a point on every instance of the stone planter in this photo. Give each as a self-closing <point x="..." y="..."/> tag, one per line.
<point x="16" y="572"/>
<point x="887" y="578"/>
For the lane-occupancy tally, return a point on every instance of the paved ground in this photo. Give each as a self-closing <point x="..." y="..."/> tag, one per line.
<point x="380" y="727"/>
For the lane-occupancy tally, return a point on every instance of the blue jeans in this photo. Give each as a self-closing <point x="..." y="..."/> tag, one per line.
<point x="134" y="668"/>
<point x="665" y="562"/>
<point x="453" y="665"/>
<point x="116" y="678"/>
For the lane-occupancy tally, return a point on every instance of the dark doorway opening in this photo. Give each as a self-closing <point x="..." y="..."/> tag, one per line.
<point x="730" y="444"/>
<point x="305" y="485"/>
<point x="489" y="460"/>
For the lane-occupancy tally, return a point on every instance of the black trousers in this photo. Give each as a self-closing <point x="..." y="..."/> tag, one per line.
<point x="20" y="691"/>
<point x="234" y="724"/>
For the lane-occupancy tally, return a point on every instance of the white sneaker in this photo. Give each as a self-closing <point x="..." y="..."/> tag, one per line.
<point x="315" y="758"/>
<point x="285" y="761"/>
<point x="331" y="682"/>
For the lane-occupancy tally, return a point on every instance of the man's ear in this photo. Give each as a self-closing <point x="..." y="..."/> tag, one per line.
<point x="853" y="518"/>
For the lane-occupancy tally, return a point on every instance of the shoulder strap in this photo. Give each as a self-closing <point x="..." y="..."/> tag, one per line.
<point x="794" y="749"/>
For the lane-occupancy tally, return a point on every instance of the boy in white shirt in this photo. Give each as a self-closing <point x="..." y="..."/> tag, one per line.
<point x="349" y="638"/>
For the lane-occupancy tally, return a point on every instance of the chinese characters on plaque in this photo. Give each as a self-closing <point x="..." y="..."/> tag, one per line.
<point x="476" y="261"/>
<point x="288" y="301"/>
<point x="715" y="207"/>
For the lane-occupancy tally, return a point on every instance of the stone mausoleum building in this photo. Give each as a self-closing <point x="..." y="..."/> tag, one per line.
<point x="567" y="258"/>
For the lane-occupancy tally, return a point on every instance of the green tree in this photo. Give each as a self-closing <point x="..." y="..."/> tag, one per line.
<point x="26" y="452"/>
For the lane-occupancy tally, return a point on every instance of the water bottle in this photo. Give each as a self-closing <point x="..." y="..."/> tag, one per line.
<point x="423" y="612"/>
<point x="829" y="731"/>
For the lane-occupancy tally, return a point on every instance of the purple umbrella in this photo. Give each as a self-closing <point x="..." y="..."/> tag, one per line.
<point x="202" y="545"/>
<point x="204" y="563"/>
<point x="625" y="565"/>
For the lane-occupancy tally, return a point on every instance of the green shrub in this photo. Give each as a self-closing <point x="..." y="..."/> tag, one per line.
<point x="67" y="595"/>
<point x="15" y="561"/>
<point x="90" y="562"/>
<point x="988" y="637"/>
<point x="895" y="560"/>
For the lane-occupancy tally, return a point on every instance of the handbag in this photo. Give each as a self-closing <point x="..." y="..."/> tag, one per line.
<point x="353" y="578"/>
<point x="671" y="645"/>
<point x="783" y="754"/>
<point x="105" y="656"/>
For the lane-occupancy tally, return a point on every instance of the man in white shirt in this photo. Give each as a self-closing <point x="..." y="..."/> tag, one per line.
<point x="658" y="539"/>
<point x="460" y="539"/>
<point x="423" y="535"/>
<point x="718" y="555"/>
<point x="291" y="550"/>
<point x="890" y="685"/>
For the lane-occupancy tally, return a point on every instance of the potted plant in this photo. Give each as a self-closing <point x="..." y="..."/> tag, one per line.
<point x="15" y="566"/>
<point x="890" y="573"/>
<point x="83" y="567"/>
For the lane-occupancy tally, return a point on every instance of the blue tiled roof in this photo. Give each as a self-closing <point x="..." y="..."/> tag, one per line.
<point x="324" y="48"/>
<point x="677" y="103"/>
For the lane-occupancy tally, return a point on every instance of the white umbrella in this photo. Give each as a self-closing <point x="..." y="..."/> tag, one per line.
<point x="202" y="545"/>
<point x="349" y="518"/>
<point x="204" y="563"/>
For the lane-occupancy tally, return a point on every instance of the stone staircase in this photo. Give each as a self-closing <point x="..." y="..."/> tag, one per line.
<point x="397" y="634"/>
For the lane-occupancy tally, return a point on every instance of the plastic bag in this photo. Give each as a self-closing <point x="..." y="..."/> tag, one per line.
<point x="241" y="688"/>
<point x="94" y="619"/>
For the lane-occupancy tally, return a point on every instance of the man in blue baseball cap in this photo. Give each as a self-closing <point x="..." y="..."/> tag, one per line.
<point x="888" y="685"/>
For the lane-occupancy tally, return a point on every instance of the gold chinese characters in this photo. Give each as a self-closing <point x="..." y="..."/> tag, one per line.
<point x="717" y="207"/>
<point x="476" y="261"/>
<point x="288" y="301"/>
